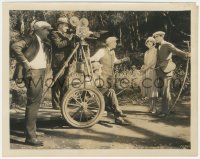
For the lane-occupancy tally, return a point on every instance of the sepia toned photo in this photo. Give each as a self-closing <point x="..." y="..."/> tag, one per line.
<point x="101" y="79"/>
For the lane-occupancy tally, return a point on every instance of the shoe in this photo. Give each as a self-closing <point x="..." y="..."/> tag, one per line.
<point x="162" y="115"/>
<point x="122" y="115"/>
<point x="173" y="112"/>
<point x="150" y="110"/>
<point x="34" y="142"/>
<point x="39" y="133"/>
<point x="120" y="121"/>
<point x="56" y="107"/>
<point x="154" y="111"/>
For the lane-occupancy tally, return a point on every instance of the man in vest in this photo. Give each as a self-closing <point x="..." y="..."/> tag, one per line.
<point x="166" y="68"/>
<point x="33" y="55"/>
<point x="106" y="57"/>
<point x="62" y="47"/>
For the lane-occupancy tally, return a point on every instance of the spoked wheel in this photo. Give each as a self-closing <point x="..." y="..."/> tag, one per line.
<point x="83" y="107"/>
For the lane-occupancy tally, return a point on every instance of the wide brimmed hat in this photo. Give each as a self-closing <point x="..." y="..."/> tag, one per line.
<point x="150" y="39"/>
<point x="39" y="25"/>
<point x="62" y="20"/>
<point x="161" y="33"/>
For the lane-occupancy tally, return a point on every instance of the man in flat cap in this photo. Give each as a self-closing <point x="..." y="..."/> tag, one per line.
<point x="62" y="48"/>
<point x="33" y="55"/>
<point x="106" y="57"/>
<point x="166" y="68"/>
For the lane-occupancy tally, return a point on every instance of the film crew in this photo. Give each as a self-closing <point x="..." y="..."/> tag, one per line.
<point x="106" y="57"/>
<point x="33" y="55"/>
<point x="62" y="46"/>
<point x="166" y="68"/>
<point x="148" y="88"/>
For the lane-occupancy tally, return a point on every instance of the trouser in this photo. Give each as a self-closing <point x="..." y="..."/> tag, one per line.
<point x="111" y="101"/>
<point x="59" y="88"/>
<point x="166" y="94"/>
<point x="34" y="87"/>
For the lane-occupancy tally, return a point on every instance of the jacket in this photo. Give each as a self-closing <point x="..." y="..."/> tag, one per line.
<point x="27" y="49"/>
<point x="164" y="56"/>
<point x="61" y="48"/>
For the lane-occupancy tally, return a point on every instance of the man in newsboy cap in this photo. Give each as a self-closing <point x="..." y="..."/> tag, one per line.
<point x="106" y="57"/>
<point x="166" y="68"/>
<point x="33" y="55"/>
<point x="62" y="47"/>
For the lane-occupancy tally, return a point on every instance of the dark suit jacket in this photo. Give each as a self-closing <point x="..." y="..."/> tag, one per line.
<point x="27" y="49"/>
<point x="163" y="53"/>
<point x="62" y="48"/>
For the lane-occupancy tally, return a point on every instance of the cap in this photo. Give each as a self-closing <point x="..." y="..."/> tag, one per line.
<point x="150" y="39"/>
<point x="62" y="20"/>
<point x="42" y="25"/>
<point x="111" y="39"/>
<point x="161" y="33"/>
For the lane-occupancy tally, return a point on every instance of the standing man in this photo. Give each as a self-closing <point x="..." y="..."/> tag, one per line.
<point x="33" y="55"/>
<point x="166" y="68"/>
<point x="62" y="47"/>
<point x="106" y="57"/>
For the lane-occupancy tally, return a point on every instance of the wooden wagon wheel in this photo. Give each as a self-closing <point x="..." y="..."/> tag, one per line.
<point x="83" y="107"/>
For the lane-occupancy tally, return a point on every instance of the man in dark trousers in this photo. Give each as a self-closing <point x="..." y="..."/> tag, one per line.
<point x="33" y="55"/>
<point x="166" y="68"/>
<point x="62" y="48"/>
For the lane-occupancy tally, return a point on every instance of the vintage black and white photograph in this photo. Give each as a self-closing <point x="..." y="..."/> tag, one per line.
<point x="100" y="79"/>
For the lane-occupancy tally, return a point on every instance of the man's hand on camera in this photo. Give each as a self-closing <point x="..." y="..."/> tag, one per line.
<point x="70" y="36"/>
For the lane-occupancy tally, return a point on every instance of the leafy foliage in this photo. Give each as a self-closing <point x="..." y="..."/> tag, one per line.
<point x="131" y="27"/>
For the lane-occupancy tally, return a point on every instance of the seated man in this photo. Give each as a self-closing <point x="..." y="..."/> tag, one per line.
<point x="110" y="96"/>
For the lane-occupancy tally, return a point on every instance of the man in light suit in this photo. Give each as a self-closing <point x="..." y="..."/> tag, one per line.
<point x="166" y="68"/>
<point x="33" y="55"/>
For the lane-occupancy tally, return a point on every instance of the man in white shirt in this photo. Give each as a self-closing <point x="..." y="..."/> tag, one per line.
<point x="106" y="57"/>
<point x="33" y="55"/>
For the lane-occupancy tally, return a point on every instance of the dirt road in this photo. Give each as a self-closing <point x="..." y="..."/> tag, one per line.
<point x="144" y="132"/>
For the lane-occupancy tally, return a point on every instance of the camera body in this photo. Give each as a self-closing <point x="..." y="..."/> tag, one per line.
<point x="83" y="32"/>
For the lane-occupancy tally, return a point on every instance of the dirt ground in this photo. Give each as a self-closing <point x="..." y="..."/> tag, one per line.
<point x="145" y="131"/>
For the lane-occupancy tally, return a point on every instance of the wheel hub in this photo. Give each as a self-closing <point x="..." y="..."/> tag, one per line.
<point x="84" y="105"/>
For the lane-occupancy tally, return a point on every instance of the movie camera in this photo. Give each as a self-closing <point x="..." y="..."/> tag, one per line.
<point x="80" y="28"/>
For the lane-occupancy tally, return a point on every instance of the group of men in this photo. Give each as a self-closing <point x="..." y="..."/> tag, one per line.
<point x="34" y="55"/>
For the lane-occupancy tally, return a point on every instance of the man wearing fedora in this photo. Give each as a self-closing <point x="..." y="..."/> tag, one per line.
<point x="62" y="47"/>
<point x="166" y="68"/>
<point x="106" y="57"/>
<point x="33" y="55"/>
